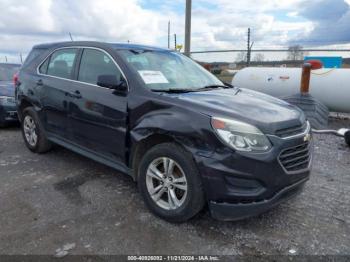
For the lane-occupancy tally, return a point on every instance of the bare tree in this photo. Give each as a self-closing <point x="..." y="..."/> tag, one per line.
<point x="242" y="56"/>
<point x="259" y="57"/>
<point x="295" y="53"/>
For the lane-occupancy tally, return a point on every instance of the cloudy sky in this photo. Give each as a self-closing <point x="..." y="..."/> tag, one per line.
<point x="218" y="24"/>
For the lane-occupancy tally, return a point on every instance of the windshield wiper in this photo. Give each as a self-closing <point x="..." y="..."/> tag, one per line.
<point x="226" y="85"/>
<point x="187" y="90"/>
<point x="174" y="90"/>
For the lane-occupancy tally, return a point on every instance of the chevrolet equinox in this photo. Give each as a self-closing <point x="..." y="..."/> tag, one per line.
<point x="186" y="138"/>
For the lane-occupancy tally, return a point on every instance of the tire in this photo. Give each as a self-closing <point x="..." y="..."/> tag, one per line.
<point x="347" y="137"/>
<point x="2" y="119"/>
<point x="40" y="144"/>
<point x="175" y="204"/>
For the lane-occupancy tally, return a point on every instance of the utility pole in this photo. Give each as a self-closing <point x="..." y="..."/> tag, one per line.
<point x="20" y="56"/>
<point x="188" y="27"/>
<point x="175" y="41"/>
<point x="248" y="48"/>
<point x="169" y="35"/>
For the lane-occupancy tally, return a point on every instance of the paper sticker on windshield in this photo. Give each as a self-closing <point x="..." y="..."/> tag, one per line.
<point x="153" y="77"/>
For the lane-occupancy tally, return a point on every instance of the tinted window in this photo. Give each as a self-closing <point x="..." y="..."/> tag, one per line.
<point x="7" y="71"/>
<point x="95" y="63"/>
<point x="62" y="63"/>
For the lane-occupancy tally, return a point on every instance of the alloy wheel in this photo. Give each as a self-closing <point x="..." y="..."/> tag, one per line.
<point x="29" y="128"/>
<point x="166" y="183"/>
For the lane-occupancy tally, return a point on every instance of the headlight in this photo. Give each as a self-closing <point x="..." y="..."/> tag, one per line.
<point x="240" y="136"/>
<point x="7" y="100"/>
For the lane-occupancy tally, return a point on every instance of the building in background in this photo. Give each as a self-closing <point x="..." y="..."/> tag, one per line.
<point x="327" y="61"/>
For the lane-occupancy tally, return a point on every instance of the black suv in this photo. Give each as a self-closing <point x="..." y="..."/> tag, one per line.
<point x="186" y="138"/>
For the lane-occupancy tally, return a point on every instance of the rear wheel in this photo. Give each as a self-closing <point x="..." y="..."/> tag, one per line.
<point x="170" y="184"/>
<point x="33" y="133"/>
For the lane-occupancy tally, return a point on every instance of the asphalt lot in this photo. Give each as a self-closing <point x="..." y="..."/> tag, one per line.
<point x="59" y="198"/>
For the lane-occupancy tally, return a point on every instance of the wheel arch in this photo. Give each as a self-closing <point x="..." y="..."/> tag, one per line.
<point x="145" y="144"/>
<point x="24" y="103"/>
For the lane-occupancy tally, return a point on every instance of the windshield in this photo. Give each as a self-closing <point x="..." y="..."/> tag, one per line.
<point x="7" y="72"/>
<point x="164" y="70"/>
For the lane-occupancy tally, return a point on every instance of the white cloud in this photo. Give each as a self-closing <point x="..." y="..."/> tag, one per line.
<point x="216" y="24"/>
<point x="26" y="23"/>
<point x="226" y="27"/>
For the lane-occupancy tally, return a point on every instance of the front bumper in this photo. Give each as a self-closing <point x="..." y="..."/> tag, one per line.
<point x="239" y="185"/>
<point x="232" y="212"/>
<point x="8" y="113"/>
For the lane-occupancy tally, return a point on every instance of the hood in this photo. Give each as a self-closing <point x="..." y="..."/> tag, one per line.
<point x="267" y="113"/>
<point x="7" y="88"/>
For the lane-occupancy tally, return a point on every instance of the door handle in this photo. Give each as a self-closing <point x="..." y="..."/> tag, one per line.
<point x="77" y="94"/>
<point x="39" y="82"/>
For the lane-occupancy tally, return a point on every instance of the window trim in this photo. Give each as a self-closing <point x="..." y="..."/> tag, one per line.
<point x="47" y="66"/>
<point x="81" y="48"/>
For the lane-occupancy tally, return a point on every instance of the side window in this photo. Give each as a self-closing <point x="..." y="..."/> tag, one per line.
<point x="95" y="63"/>
<point x="43" y="67"/>
<point x="62" y="63"/>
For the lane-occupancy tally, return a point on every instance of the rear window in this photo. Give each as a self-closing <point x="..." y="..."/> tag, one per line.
<point x="7" y="71"/>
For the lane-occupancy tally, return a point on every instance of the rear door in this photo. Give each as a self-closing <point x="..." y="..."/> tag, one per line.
<point x="54" y="86"/>
<point x="97" y="114"/>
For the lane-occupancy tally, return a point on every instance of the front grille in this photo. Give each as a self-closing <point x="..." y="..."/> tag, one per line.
<point x="291" y="131"/>
<point x="296" y="158"/>
<point x="11" y="100"/>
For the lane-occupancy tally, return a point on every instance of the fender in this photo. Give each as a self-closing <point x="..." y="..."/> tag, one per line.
<point x="189" y="129"/>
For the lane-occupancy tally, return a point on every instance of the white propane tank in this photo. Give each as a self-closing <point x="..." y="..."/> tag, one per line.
<point x="330" y="86"/>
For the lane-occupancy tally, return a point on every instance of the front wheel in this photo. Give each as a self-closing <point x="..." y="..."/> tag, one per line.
<point x="170" y="184"/>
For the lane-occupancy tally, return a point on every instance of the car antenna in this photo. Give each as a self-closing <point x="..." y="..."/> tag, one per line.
<point x="70" y="35"/>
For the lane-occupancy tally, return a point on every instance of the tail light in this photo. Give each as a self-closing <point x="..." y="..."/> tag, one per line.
<point x="15" y="79"/>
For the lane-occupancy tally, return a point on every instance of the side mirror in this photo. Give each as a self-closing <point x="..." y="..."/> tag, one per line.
<point x="111" y="82"/>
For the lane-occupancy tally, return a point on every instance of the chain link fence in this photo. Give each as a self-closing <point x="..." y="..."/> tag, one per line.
<point x="225" y="63"/>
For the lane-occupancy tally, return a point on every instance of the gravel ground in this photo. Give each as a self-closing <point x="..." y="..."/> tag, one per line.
<point x="60" y="198"/>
